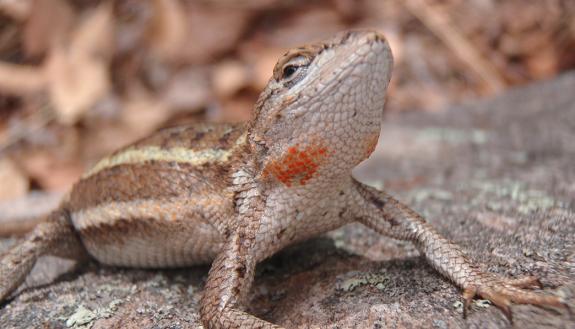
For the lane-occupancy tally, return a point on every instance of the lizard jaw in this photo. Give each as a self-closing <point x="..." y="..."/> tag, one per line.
<point x="332" y="98"/>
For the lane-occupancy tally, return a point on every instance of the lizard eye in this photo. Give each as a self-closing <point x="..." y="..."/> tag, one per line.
<point x="288" y="71"/>
<point x="294" y="71"/>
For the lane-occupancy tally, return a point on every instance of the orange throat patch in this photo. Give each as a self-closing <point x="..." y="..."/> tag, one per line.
<point x="296" y="166"/>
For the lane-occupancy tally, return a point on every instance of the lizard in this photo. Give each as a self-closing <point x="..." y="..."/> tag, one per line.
<point x="234" y="195"/>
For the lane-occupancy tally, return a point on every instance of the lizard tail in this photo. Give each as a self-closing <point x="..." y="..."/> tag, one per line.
<point x="54" y="236"/>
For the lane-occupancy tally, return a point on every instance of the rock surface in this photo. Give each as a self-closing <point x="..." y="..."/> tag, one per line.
<point x="496" y="176"/>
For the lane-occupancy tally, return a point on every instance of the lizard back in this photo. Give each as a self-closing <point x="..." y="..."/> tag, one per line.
<point x="177" y="177"/>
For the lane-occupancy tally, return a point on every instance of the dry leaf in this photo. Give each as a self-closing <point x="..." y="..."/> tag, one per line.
<point x="49" y="21"/>
<point x="264" y="62"/>
<point x="188" y="90"/>
<point x="51" y="172"/>
<point x="348" y="9"/>
<point x="249" y="4"/>
<point x="14" y="183"/>
<point x="168" y="29"/>
<point x="143" y="113"/>
<point x="75" y="83"/>
<point x="211" y="32"/>
<point x="305" y="26"/>
<point x="17" y="9"/>
<point x="95" y="35"/>
<point x="229" y="77"/>
<point x="78" y="73"/>
<point x="543" y="63"/>
<point x="236" y="109"/>
<point x="20" y="79"/>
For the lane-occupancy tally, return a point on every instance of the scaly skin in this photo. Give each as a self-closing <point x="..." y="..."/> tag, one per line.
<point x="236" y="195"/>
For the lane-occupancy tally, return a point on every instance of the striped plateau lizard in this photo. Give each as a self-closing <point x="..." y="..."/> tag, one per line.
<point x="234" y="195"/>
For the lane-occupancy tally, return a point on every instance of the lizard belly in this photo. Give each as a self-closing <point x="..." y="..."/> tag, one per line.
<point x="173" y="231"/>
<point x="163" y="230"/>
<point x="156" y="239"/>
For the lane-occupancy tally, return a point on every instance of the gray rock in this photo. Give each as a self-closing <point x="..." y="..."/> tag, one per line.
<point x="496" y="176"/>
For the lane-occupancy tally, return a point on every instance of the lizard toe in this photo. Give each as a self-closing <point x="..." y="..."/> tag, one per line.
<point x="504" y="292"/>
<point x="468" y="295"/>
<point x="529" y="281"/>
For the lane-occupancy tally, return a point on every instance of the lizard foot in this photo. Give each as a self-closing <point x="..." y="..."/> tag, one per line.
<point x="504" y="291"/>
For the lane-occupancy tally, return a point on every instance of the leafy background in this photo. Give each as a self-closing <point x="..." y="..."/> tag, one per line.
<point x="81" y="78"/>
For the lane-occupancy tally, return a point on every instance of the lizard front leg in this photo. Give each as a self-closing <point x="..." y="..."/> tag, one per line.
<point x="229" y="281"/>
<point x="232" y="272"/>
<point x="384" y="214"/>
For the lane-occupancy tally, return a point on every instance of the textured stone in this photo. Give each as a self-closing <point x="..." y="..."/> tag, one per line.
<point x="496" y="176"/>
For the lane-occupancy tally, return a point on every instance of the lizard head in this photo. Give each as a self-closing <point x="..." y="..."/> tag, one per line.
<point x="324" y="103"/>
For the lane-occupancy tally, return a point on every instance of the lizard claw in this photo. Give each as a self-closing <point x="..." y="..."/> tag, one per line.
<point x="524" y="282"/>
<point x="468" y="295"/>
<point x="504" y="292"/>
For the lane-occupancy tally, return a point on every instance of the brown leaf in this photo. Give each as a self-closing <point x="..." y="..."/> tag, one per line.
<point x="50" y="171"/>
<point x="17" y="9"/>
<point x="168" y="29"/>
<point x="20" y="79"/>
<point x="76" y="83"/>
<point x="305" y="26"/>
<point x="49" y="21"/>
<point x="212" y="31"/>
<point x="188" y="90"/>
<point x="229" y="77"/>
<point x="143" y="113"/>
<point x="235" y="109"/>
<point x="543" y="63"/>
<point x="78" y="72"/>
<point x="14" y="183"/>
<point x="264" y="64"/>
<point x="95" y="35"/>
